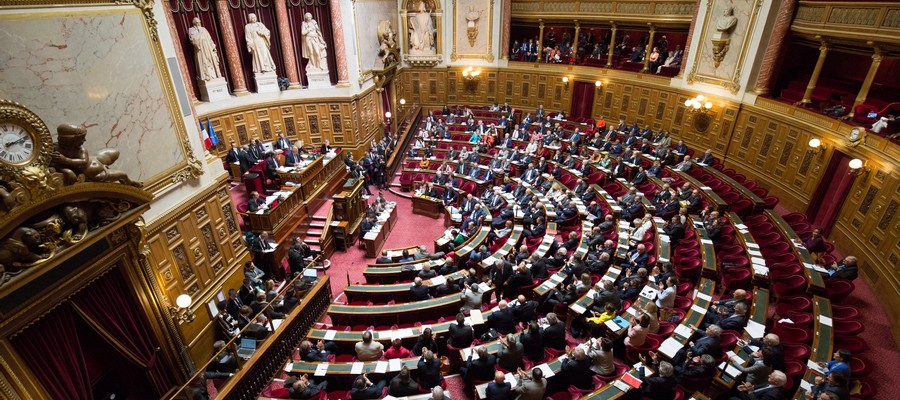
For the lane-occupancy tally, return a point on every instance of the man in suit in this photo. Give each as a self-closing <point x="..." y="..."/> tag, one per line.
<point x="257" y="329"/>
<point x="363" y="388"/>
<point x="272" y="166"/>
<point x="499" y="389"/>
<point x="291" y="157"/>
<point x="461" y="335"/>
<point x="233" y="306"/>
<point x="246" y="159"/>
<point x="577" y="369"/>
<point x="255" y="203"/>
<point x="366" y="225"/>
<point x="554" y="334"/>
<point x="257" y="150"/>
<point x="419" y="291"/>
<point x="846" y="269"/>
<point x="480" y="369"/>
<point x="524" y="310"/>
<point x="607" y="295"/>
<point x="511" y="354"/>
<point x="707" y="158"/>
<point x="303" y="388"/>
<point x="618" y="170"/>
<point x="770" y="391"/>
<point x="675" y="229"/>
<point x="282" y="143"/>
<point x="503" y="320"/>
<point x="260" y="247"/>
<point x="735" y="321"/>
<point x="685" y="165"/>
<point x="636" y="258"/>
<point x="531" y="386"/>
<point x="429" y="369"/>
<point x="707" y="343"/>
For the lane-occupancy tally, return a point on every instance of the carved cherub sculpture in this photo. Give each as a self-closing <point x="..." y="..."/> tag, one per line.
<point x="21" y="248"/>
<point x="76" y="165"/>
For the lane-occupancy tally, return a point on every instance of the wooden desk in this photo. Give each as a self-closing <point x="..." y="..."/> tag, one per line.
<point x="406" y="272"/>
<point x="816" y="282"/>
<point x="707" y="250"/>
<point x="373" y="240"/>
<point x="823" y="343"/>
<point x="386" y="292"/>
<point x="758" y="203"/>
<point x="707" y="191"/>
<point x="427" y="206"/>
<point x="758" y="315"/>
<point x="400" y="313"/>
<point x="745" y="238"/>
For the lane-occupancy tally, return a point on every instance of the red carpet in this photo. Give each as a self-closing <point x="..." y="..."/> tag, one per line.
<point x="411" y="229"/>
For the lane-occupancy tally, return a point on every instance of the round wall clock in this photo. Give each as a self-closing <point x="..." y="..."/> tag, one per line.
<point x="24" y="140"/>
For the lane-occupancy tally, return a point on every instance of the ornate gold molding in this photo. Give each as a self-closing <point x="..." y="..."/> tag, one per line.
<point x="488" y="56"/>
<point x="146" y="7"/>
<point x="732" y="83"/>
<point x="194" y="167"/>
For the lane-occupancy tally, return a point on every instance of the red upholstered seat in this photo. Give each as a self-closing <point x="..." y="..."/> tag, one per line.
<point x="844" y="312"/>
<point x="338" y="395"/>
<point x="838" y="289"/>
<point x="560" y="396"/>
<point x="849" y="328"/>
<point x="792" y="332"/>
<point x="737" y="278"/>
<point x="790" y="285"/>
<point x="795" y="351"/>
<point x="683" y="303"/>
<point x="860" y="367"/>
<point x="867" y="390"/>
<point x="794" y="367"/>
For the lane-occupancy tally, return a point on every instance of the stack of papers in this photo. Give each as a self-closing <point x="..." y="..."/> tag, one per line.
<point x="548" y="372"/>
<point x="321" y="369"/>
<point x="698" y="309"/>
<point x="670" y="346"/>
<point x="683" y="331"/>
<point x="578" y="308"/>
<point x="755" y="329"/>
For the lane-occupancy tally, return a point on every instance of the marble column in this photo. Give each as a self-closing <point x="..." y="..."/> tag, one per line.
<point x="232" y="54"/>
<point x="773" y="50"/>
<point x="649" y="49"/>
<point x="540" y="43"/>
<point x="687" y="44"/>
<point x="287" y="44"/>
<point x="823" y="52"/>
<point x="504" y="29"/>
<point x="179" y="53"/>
<point x="612" y="45"/>
<point x="867" y="83"/>
<point x="575" y="43"/>
<point x="340" y="52"/>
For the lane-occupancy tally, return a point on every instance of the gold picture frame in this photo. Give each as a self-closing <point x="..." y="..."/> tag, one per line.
<point x="488" y="55"/>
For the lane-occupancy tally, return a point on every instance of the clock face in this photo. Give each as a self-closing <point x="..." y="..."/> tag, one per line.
<point x="16" y="144"/>
<point x="854" y="134"/>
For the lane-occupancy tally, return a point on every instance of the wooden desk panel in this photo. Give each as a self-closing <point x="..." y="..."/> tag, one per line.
<point x="400" y="313"/>
<point x="427" y="206"/>
<point x="815" y="279"/>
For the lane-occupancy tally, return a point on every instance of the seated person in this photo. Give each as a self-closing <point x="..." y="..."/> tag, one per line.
<point x="223" y="365"/>
<point x="320" y="352"/>
<point x="363" y="388"/>
<point x="480" y="369"/>
<point x="419" y="291"/>
<point x="397" y="350"/>
<point x="403" y="384"/>
<point x="368" y="349"/>
<point x="304" y="388"/>
<point x="255" y="203"/>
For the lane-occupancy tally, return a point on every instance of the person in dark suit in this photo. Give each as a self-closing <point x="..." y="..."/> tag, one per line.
<point x="461" y="335"/>
<point x="247" y="292"/>
<point x="675" y="230"/>
<point x="510" y="355"/>
<point x="320" y="352"/>
<point x="636" y="258"/>
<point x="419" y="291"/>
<point x="771" y="342"/>
<point x="363" y="388"/>
<point x="479" y="369"/>
<point x="234" y="303"/>
<point x="499" y="389"/>
<point x="577" y="369"/>
<point x="255" y="203"/>
<point x="429" y="369"/>
<point x="770" y="391"/>
<point x="257" y="151"/>
<point x="524" y="310"/>
<point x="291" y="157"/>
<point x="846" y="269"/>
<point x="707" y="343"/>
<point x="282" y="143"/>
<point x="554" y="335"/>
<point x="366" y="225"/>
<point x="532" y="342"/>
<point x="257" y="329"/>
<point x="503" y="320"/>
<point x="661" y="386"/>
<point x="707" y="157"/>
<point x="304" y="388"/>
<point x="272" y="166"/>
<point x="521" y="278"/>
<point x="735" y="321"/>
<point x="403" y="384"/>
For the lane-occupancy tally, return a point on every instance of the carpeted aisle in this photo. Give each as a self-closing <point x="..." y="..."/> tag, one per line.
<point x="411" y="229"/>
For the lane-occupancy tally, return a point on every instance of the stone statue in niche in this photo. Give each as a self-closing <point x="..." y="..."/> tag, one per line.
<point x="213" y="86"/>
<point x="76" y="165"/>
<point x="721" y="39"/>
<point x="387" y="40"/>
<point x="313" y="44"/>
<point x="472" y="18"/>
<point x="204" y="51"/>
<point x="258" y="44"/>
<point x="421" y="32"/>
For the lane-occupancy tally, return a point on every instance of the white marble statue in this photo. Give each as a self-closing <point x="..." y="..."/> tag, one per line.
<point x="725" y="24"/>
<point x="421" y="35"/>
<point x="258" y="43"/>
<point x="204" y="51"/>
<point x="313" y="44"/>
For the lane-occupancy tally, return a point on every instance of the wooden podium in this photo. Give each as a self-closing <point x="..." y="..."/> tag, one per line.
<point x="428" y="206"/>
<point x="349" y="210"/>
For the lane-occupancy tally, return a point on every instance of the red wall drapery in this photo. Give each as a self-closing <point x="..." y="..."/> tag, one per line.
<point x="829" y="197"/>
<point x="321" y="12"/>
<point x="112" y="312"/>
<point x="52" y="351"/>
<point x="582" y="100"/>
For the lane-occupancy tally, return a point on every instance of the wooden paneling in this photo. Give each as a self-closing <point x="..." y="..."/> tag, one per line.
<point x="349" y="123"/>
<point x="197" y="249"/>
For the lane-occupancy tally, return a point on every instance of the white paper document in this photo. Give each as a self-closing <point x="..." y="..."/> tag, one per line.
<point x="683" y="331"/>
<point x="755" y="329"/>
<point x="670" y="346"/>
<point x="578" y="308"/>
<point x="825" y="320"/>
<point x="357" y="368"/>
<point x="321" y="369"/>
<point x="329" y="334"/>
<point x="381" y="367"/>
<point x="394" y="364"/>
<point x="704" y="296"/>
<point x="476" y="316"/>
<point x="548" y="372"/>
<point x="698" y="309"/>
<point x="619" y="384"/>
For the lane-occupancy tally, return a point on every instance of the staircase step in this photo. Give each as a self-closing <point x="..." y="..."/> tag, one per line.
<point x="314" y="232"/>
<point x="320" y="225"/>
<point x="320" y="217"/>
<point x="311" y="241"/>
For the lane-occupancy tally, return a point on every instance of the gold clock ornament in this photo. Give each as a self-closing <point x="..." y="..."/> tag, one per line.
<point x="25" y="142"/>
